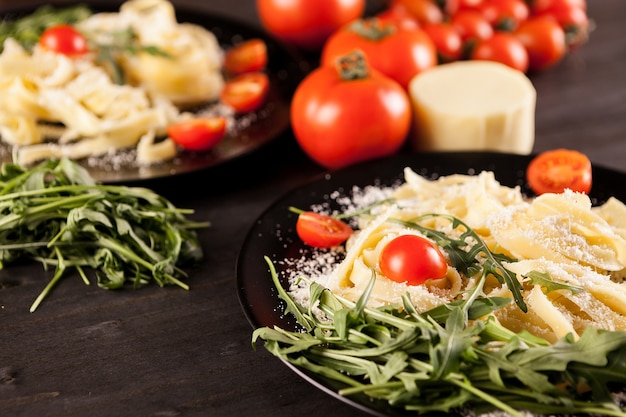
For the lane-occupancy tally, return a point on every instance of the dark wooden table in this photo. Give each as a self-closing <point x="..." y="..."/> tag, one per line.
<point x="170" y="352"/>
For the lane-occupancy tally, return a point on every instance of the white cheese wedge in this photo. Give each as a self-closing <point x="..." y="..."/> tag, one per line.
<point x="473" y="105"/>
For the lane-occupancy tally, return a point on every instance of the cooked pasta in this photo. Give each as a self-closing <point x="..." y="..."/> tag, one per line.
<point x="560" y="235"/>
<point x="57" y="106"/>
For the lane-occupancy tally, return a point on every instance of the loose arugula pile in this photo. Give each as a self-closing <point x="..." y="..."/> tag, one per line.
<point x="56" y="214"/>
<point x="450" y="359"/>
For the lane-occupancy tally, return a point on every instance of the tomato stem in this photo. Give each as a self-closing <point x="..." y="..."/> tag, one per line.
<point x="372" y="29"/>
<point x="353" y="66"/>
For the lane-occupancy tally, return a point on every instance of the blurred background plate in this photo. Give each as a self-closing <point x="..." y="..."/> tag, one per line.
<point x="286" y="68"/>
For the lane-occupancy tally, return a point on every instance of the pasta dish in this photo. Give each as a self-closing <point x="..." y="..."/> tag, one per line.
<point x="578" y="250"/>
<point x="60" y="106"/>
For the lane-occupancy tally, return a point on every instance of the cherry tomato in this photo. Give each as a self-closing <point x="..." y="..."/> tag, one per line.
<point x="425" y="11"/>
<point x="199" y="134"/>
<point x="471" y="25"/>
<point x="556" y="170"/>
<point x="505" y="14"/>
<point x="502" y="47"/>
<point x="320" y="230"/>
<point x="572" y="16"/>
<point x="307" y="24"/>
<point x="398" y="17"/>
<point x="446" y="39"/>
<point x="544" y="40"/>
<point x="399" y="54"/>
<point x="246" y="92"/>
<point x="412" y="259"/>
<point x="248" y="56"/>
<point x="349" y="113"/>
<point x="64" y="39"/>
<point x="540" y="6"/>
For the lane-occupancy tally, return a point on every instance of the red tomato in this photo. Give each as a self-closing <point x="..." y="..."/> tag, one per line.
<point x="539" y="6"/>
<point x="399" y="54"/>
<point x="199" y="134"/>
<point x="471" y="25"/>
<point x="246" y="92"/>
<point x="320" y="230"/>
<point x="544" y="40"/>
<point x="304" y="23"/>
<point x="502" y="47"/>
<point x="398" y="17"/>
<point x="572" y="16"/>
<point x="247" y="56"/>
<point x="446" y="39"/>
<point x="425" y="11"/>
<point x="412" y="259"/>
<point x="349" y="113"/>
<point x="64" y="39"/>
<point x="505" y="14"/>
<point x="559" y="169"/>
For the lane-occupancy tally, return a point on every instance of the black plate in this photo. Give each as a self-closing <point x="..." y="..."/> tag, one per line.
<point x="273" y="234"/>
<point x="286" y="69"/>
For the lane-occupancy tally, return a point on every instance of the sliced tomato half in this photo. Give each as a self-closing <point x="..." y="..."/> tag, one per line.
<point x="556" y="170"/>
<point x="199" y="134"/>
<point x="246" y="92"/>
<point x="321" y="231"/>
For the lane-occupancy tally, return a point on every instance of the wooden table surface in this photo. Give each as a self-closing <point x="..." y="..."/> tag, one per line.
<point x="170" y="352"/>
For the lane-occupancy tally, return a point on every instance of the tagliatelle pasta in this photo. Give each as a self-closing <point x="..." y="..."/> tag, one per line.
<point x="560" y="236"/>
<point x="59" y="106"/>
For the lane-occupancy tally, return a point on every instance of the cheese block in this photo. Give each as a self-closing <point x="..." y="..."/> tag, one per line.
<point x="473" y="105"/>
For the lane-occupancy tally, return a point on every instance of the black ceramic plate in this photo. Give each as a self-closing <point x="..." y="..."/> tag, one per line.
<point x="273" y="234"/>
<point x="285" y="68"/>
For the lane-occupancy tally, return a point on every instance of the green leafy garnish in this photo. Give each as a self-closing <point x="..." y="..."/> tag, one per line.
<point x="56" y="214"/>
<point x="418" y="363"/>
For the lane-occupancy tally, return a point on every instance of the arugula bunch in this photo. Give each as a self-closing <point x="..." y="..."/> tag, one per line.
<point x="56" y="214"/>
<point x="455" y="357"/>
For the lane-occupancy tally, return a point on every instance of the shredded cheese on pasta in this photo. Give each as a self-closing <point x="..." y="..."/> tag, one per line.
<point x="76" y="102"/>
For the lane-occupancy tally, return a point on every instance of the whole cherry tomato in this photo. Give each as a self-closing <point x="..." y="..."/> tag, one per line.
<point x="398" y="17"/>
<point x="505" y="14"/>
<point x="248" y="56"/>
<point x="446" y="39"/>
<point x="349" y="113"/>
<point x="200" y="134"/>
<point x="572" y="16"/>
<point x="554" y="171"/>
<point x="64" y="39"/>
<point x="471" y="25"/>
<point x="399" y="54"/>
<point x="246" y="92"/>
<point x="544" y="39"/>
<point x="307" y="24"/>
<point x="425" y="11"/>
<point x="320" y="230"/>
<point x="503" y="47"/>
<point x="412" y="259"/>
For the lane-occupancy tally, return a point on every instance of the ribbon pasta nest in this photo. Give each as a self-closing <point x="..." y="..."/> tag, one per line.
<point x="567" y="257"/>
<point x="76" y="101"/>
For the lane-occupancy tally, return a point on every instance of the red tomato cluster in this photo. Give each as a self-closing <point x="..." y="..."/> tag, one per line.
<point x="528" y="35"/>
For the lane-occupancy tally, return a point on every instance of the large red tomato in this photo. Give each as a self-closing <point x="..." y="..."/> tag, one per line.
<point x="305" y="23"/>
<point x="398" y="53"/>
<point x="344" y="114"/>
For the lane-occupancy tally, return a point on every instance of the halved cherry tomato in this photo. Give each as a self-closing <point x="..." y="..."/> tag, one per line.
<point x="246" y="92"/>
<point x="199" y="134"/>
<point x="320" y="230"/>
<point x="248" y="56"/>
<point x="64" y="39"/>
<point x="412" y="259"/>
<point x="502" y="47"/>
<point x="544" y="39"/>
<point x="556" y="170"/>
